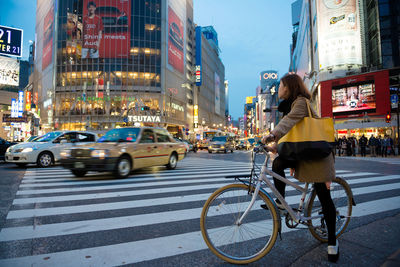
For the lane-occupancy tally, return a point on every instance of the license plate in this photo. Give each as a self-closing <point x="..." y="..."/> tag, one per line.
<point x="79" y="165"/>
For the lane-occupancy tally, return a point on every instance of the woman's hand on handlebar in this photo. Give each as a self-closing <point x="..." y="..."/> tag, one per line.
<point x="268" y="138"/>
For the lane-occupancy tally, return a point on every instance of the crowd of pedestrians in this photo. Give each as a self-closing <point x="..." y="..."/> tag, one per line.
<point x="378" y="146"/>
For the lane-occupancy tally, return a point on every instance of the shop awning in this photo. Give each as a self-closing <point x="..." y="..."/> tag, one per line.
<point x="362" y="125"/>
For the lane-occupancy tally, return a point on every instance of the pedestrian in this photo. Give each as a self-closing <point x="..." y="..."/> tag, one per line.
<point x="363" y="143"/>
<point x="320" y="172"/>
<point x="353" y="145"/>
<point x="379" y="145"/>
<point x="372" y="145"/>
<point x="344" y="145"/>
<point x="385" y="146"/>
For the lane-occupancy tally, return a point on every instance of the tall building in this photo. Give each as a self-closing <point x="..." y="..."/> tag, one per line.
<point x="101" y="64"/>
<point x="348" y="55"/>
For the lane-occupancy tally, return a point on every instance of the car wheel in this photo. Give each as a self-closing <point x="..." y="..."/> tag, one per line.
<point x="209" y="151"/>
<point x="21" y="165"/>
<point x="231" y="150"/>
<point x="45" y="159"/>
<point x="123" y="168"/>
<point x="79" y="173"/>
<point x="225" y="151"/>
<point x="173" y="160"/>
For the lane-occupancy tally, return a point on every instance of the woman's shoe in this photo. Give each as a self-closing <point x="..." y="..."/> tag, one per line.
<point x="333" y="252"/>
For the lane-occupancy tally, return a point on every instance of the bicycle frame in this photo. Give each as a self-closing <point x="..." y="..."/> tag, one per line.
<point x="297" y="217"/>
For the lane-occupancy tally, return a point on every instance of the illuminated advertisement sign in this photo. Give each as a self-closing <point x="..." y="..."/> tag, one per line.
<point x="136" y="118"/>
<point x="48" y="38"/>
<point x="106" y="28"/>
<point x="198" y="75"/>
<point x="28" y="101"/>
<point x="20" y="103"/>
<point x="14" y="108"/>
<point x="196" y="114"/>
<point x="198" y="56"/>
<point x="249" y="99"/>
<point x="339" y="40"/>
<point x="217" y="85"/>
<point x="9" y="71"/>
<point x="354" y="98"/>
<point x="11" y="41"/>
<point x="176" y="31"/>
<point x="268" y="78"/>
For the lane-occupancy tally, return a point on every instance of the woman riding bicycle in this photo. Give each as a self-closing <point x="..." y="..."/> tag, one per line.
<point x="320" y="172"/>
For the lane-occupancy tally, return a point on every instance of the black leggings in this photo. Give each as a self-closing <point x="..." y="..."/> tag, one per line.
<point x="328" y="208"/>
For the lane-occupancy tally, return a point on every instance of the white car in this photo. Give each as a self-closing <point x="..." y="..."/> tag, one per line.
<point x="45" y="150"/>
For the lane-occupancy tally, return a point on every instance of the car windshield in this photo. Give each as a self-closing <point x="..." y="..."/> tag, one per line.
<point x="120" y="135"/>
<point x="219" y="139"/>
<point x="251" y="140"/>
<point x="48" y="137"/>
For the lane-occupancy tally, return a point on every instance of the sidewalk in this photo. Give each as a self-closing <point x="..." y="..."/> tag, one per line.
<point x="389" y="159"/>
<point x="373" y="244"/>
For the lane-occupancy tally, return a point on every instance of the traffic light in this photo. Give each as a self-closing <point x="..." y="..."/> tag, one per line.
<point x="388" y="117"/>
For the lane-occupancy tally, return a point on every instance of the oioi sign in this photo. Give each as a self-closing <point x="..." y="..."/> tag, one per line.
<point x="11" y="41"/>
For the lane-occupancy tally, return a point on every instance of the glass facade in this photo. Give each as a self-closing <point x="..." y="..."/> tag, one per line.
<point x="108" y="62"/>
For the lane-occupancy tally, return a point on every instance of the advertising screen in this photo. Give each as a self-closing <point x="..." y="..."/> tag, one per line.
<point x="354" y="98"/>
<point x="48" y="38"/>
<point x="9" y="71"/>
<point x="11" y="41"/>
<point x="339" y="39"/>
<point x="103" y="30"/>
<point x="175" y="40"/>
<point x="217" y="84"/>
<point x="106" y="28"/>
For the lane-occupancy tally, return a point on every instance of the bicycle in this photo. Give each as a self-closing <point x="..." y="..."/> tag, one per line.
<point x="236" y="227"/>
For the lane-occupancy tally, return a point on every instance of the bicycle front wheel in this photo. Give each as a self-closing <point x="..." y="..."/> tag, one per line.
<point x="342" y="197"/>
<point x="231" y="242"/>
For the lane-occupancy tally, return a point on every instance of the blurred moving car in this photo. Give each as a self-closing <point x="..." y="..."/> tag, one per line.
<point x="4" y="145"/>
<point x="31" y="139"/>
<point x="221" y="144"/>
<point x="241" y="144"/>
<point x="187" y="148"/>
<point x="251" y="142"/>
<point x="192" y="147"/>
<point x="121" y="150"/>
<point x="45" y="150"/>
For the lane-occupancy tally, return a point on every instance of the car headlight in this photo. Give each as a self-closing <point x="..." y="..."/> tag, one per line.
<point x="99" y="153"/>
<point x="65" y="153"/>
<point x="8" y="149"/>
<point x="27" y="150"/>
<point x="222" y="146"/>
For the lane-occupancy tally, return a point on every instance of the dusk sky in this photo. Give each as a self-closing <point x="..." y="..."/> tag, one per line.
<point x="253" y="35"/>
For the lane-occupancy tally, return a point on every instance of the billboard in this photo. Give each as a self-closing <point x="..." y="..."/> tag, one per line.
<point x="339" y="38"/>
<point x="11" y="41"/>
<point x="217" y="85"/>
<point x="198" y="56"/>
<point x="9" y="71"/>
<point x="48" y="38"/>
<point x="354" y="98"/>
<point x="176" y="33"/>
<point x="106" y="28"/>
<point x="268" y="78"/>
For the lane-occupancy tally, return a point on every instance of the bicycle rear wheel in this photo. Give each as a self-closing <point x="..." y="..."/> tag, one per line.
<point x="342" y="197"/>
<point x="244" y="243"/>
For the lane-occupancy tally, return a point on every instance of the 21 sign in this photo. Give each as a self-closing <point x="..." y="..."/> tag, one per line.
<point x="10" y="41"/>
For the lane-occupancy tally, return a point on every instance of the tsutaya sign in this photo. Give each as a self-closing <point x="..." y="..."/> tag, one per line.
<point x="136" y="118"/>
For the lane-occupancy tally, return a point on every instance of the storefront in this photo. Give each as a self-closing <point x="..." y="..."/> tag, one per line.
<point x="358" y="104"/>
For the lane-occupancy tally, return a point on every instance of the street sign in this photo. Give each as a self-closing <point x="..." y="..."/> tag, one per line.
<point x="394" y="99"/>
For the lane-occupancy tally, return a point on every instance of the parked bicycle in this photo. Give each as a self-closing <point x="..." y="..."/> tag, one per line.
<point x="240" y="222"/>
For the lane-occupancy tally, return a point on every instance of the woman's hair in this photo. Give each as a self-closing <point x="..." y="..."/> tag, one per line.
<point x="295" y="86"/>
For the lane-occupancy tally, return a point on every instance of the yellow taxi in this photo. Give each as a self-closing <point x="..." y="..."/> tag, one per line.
<point x="121" y="150"/>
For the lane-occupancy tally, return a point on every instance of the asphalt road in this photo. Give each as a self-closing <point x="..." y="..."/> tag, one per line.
<point x="50" y="218"/>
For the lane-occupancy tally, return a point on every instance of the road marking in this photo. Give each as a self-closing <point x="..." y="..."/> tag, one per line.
<point x="150" y="249"/>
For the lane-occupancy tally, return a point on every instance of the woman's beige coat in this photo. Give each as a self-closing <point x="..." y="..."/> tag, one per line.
<point x="316" y="171"/>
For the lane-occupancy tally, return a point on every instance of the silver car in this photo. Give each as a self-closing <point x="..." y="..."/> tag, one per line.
<point x="221" y="144"/>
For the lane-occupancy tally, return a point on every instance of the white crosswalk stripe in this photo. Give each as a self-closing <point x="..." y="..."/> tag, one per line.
<point x="46" y="194"/>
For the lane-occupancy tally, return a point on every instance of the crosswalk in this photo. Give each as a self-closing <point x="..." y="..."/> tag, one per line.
<point x="59" y="220"/>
